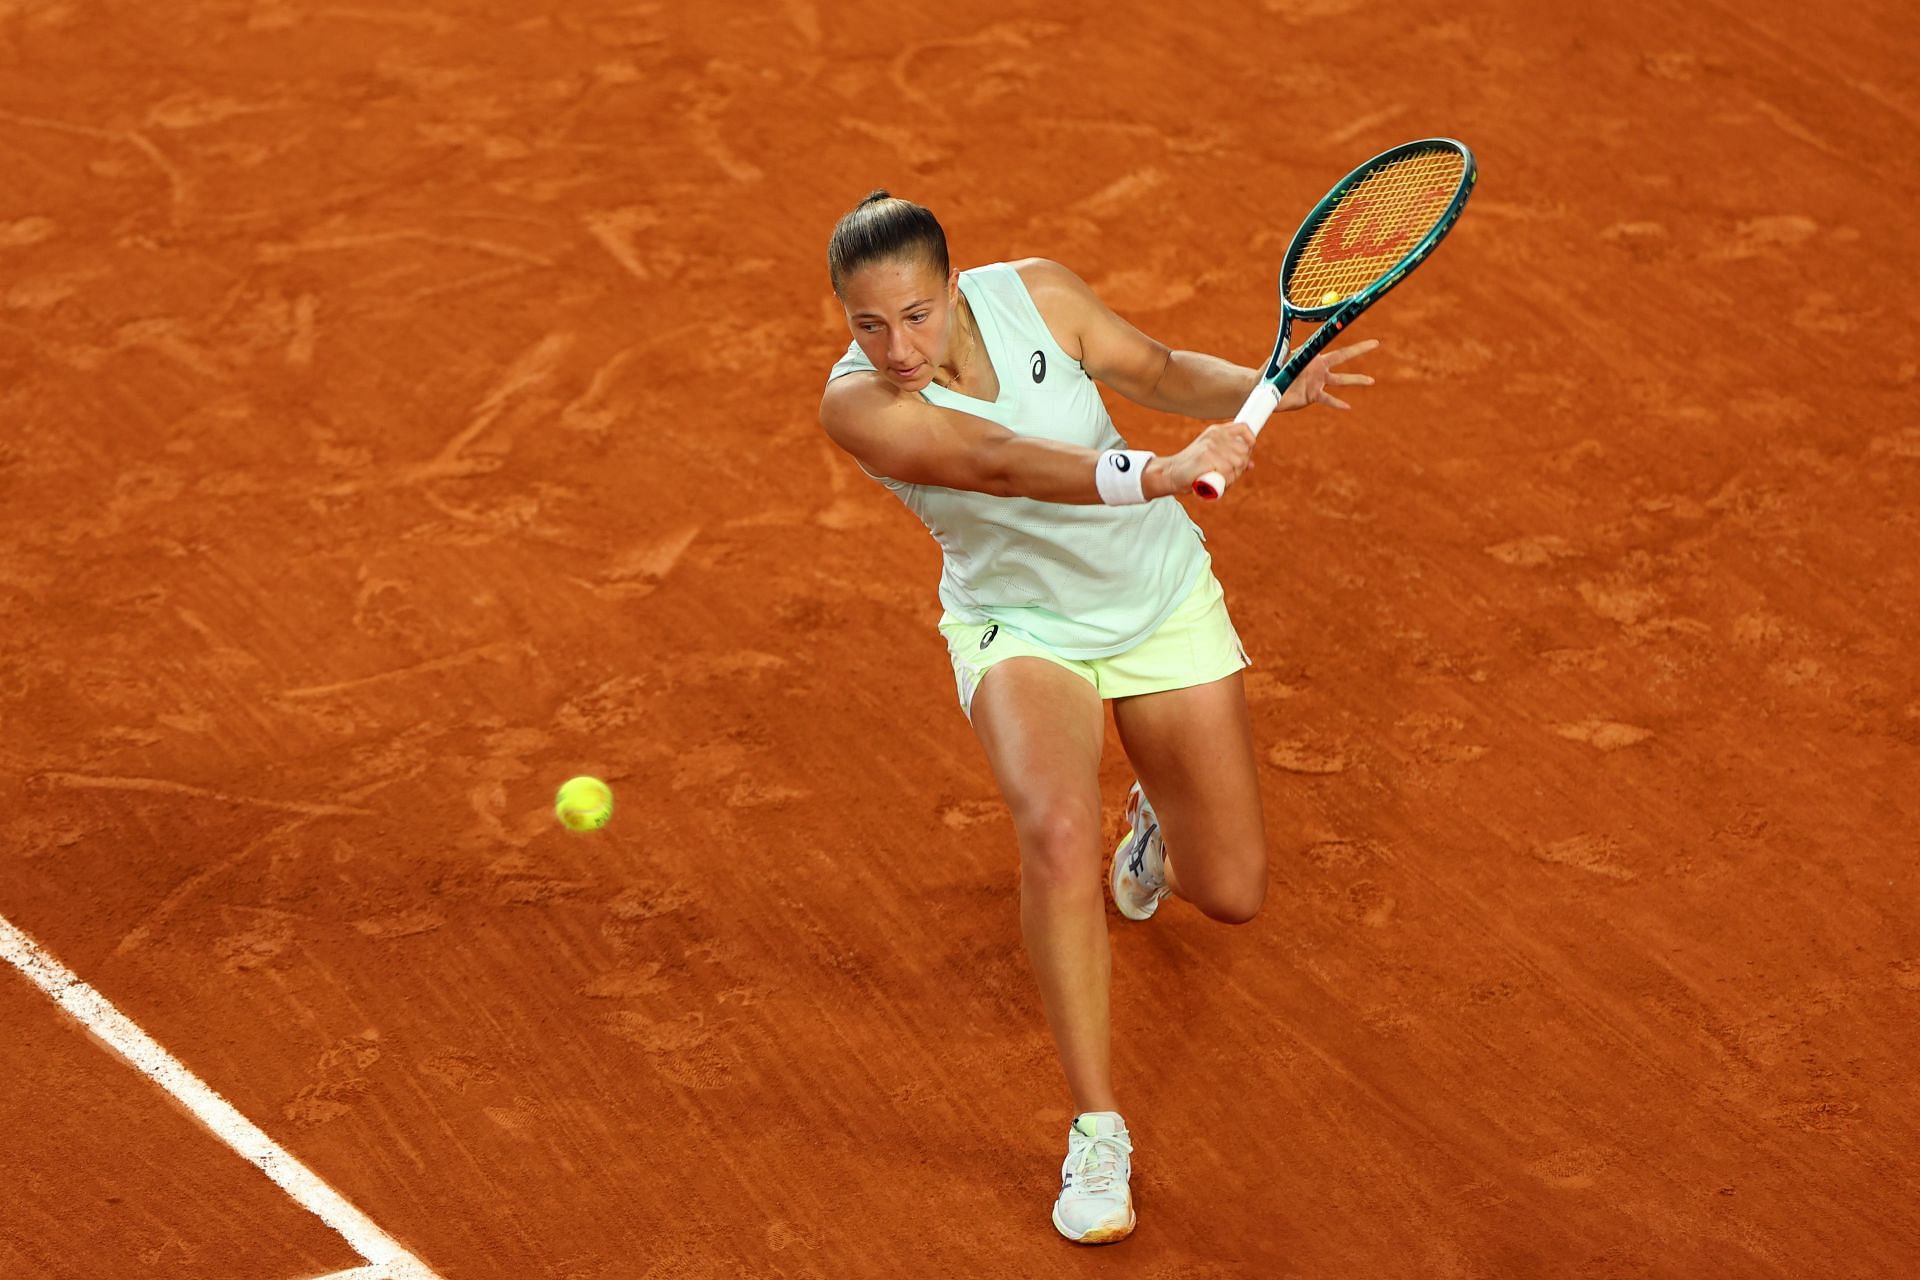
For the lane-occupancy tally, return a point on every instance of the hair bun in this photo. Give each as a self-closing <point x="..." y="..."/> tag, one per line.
<point x="882" y="228"/>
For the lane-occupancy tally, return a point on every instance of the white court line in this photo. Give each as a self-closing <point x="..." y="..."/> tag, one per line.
<point x="388" y="1260"/>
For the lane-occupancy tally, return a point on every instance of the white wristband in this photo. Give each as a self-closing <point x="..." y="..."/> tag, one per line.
<point x="1119" y="474"/>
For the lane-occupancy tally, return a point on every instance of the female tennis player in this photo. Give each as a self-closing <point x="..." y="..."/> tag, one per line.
<point x="1066" y="580"/>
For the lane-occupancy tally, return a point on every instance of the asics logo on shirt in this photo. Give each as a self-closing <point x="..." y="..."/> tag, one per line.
<point x="1039" y="366"/>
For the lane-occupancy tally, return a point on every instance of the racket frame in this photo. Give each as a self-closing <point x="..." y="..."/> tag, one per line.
<point x="1287" y="362"/>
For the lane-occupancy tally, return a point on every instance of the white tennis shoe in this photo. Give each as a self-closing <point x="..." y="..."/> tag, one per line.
<point x="1138" y="877"/>
<point x="1096" y="1202"/>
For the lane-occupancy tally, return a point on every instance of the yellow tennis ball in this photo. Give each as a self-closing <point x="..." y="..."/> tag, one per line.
<point x="1331" y="295"/>
<point x="583" y="804"/>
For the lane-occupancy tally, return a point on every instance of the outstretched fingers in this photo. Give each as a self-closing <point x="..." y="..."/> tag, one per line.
<point x="1340" y="355"/>
<point x="1330" y="361"/>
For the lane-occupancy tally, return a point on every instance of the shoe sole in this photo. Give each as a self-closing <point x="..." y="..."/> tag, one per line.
<point x="1102" y="1233"/>
<point x="1114" y="867"/>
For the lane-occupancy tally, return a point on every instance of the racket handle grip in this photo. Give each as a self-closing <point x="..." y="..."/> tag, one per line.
<point x="1253" y="415"/>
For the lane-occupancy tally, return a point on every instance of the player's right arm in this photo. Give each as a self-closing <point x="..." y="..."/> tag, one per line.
<point x="905" y="438"/>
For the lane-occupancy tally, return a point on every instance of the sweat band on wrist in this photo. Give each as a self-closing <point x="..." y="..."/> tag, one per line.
<point x="1119" y="474"/>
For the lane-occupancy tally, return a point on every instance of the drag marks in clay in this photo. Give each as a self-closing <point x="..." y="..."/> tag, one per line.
<point x="339" y="1082"/>
<point x="1604" y="735"/>
<point x="261" y="945"/>
<point x="1533" y="552"/>
<point x="405" y="923"/>
<point x="685" y="1050"/>
<point x="24" y="232"/>
<point x="1306" y="757"/>
<point x="1597" y="855"/>
<point x="1439" y="740"/>
<point x="679" y="1043"/>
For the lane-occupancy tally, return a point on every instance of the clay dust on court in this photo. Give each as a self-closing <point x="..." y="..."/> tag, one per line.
<point x="406" y="407"/>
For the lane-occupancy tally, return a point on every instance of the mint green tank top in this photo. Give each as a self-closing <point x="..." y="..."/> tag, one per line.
<point x="1084" y="581"/>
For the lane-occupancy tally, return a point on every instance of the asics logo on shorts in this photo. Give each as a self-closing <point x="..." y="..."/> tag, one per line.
<point x="1039" y="366"/>
<point x="987" y="638"/>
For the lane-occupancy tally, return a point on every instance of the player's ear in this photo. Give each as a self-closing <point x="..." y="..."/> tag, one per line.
<point x="953" y="285"/>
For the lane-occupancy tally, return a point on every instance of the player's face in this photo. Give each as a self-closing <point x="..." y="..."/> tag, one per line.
<point x="901" y="314"/>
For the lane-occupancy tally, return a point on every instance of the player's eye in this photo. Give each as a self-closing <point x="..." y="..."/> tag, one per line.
<point x="918" y="317"/>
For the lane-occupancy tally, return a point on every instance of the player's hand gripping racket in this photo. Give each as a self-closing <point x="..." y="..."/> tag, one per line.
<point x="1378" y="223"/>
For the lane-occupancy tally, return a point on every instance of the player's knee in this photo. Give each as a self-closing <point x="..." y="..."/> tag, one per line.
<point x="1234" y="899"/>
<point x="1060" y="848"/>
<point x="1238" y="908"/>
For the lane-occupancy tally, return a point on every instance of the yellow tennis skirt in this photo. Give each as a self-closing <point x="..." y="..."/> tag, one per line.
<point x="1195" y="645"/>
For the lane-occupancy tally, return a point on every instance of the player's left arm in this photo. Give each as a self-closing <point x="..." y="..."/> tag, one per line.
<point x="1150" y="373"/>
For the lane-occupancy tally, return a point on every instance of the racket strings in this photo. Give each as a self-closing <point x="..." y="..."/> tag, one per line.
<point x="1373" y="225"/>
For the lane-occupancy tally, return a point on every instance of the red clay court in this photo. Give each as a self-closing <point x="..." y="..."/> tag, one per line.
<point x="405" y="407"/>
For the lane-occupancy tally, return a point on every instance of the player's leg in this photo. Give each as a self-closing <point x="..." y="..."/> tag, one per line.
<point x="1192" y="750"/>
<point x="1181" y="709"/>
<point x="1041" y="725"/>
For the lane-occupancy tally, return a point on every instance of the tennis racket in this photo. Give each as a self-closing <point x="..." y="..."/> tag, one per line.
<point x="1378" y="223"/>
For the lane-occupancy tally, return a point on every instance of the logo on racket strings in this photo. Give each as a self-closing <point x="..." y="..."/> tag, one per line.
<point x="1345" y="238"/>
